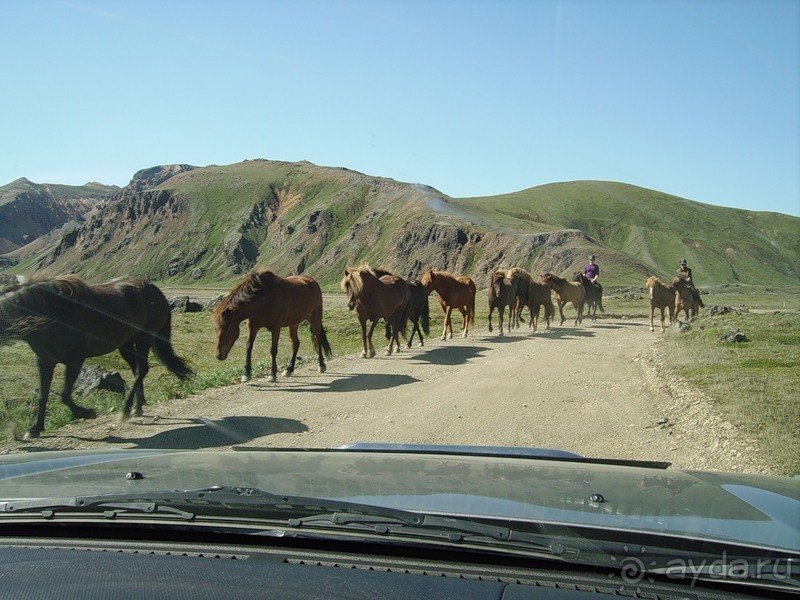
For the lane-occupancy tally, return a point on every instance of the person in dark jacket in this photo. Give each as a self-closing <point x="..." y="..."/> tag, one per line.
<point x="684" y="272"/>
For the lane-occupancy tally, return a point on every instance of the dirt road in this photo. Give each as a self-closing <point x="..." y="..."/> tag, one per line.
<point x="596" y="390"/>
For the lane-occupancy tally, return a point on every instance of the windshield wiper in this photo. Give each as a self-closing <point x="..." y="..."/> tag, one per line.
<point x="303" y="513"/>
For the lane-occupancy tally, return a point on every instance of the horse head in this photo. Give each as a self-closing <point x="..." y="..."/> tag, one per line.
<point x="227" y="327"/>
<point x="427" y="280"/>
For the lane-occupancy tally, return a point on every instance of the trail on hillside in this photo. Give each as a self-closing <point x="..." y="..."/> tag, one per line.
<point x="597" y="390"/>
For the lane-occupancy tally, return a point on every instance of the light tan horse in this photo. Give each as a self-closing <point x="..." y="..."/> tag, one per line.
<point x="661" y="296"/>
<point x="454" y="292"/>
<point x="566" y="291"/>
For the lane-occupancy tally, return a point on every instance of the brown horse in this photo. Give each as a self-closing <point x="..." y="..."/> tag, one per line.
<point x="266" y="300"/>
<point x="687" y="299"/>
<point x="419" y="313"/>
<point x="594" y="295"/>
<point x="453" y="292"/>
<point x="661" y="296"/>
<point x="65" y="320"/>
<point x="502" y="294"/>
<point x="566" y="291"/>
<point x="375" y="298"/>
<point x="532" y="294"/>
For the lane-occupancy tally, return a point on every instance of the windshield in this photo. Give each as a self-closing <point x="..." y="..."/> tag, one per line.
<point x="561" y="227"/>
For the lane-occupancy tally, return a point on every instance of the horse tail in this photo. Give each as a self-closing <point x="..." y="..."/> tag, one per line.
<point x="162" y="346"/>
<point x="402" y="326"/>
<point x="324" y="343"/>
<point x="425" y="316"/>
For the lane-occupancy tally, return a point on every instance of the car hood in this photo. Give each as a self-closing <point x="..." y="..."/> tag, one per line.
<point x="563" y="489"/>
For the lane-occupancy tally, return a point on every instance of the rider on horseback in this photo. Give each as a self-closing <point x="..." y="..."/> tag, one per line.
<point x="592" y="271"/>
<point x="684" y="272"/>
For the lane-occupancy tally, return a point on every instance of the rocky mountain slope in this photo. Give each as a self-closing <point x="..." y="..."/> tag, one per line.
<point x="29" y="210"/>
<point x="182" y="224"/>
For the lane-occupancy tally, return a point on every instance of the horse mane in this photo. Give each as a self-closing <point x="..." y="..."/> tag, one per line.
<point x="554" y="277"/>
<point x="652" y="281"/>
<point x="354" y="276"/>
<point x="246" y="290"/>
<point x="32" y="303"/>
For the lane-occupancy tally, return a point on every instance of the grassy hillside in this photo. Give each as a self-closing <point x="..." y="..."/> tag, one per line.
<point x="724" y="245"/>
<point x="182" y="225"/>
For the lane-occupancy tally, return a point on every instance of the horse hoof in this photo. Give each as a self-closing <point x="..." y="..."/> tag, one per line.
<point x="272" y="379"/>
<point x="123" y="416"/>
<point x="138" y="412"/>
<point x="652" y="330"/>
<point x="322" y="368"/>
<point x="31" y="434"/>
<point x="287" y="373"/>
<point x="245" y="378"/>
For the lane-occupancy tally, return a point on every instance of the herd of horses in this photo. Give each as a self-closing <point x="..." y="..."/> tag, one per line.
<point x="66" y="321"/>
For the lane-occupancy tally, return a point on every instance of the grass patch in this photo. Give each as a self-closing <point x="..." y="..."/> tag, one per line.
<point x="754" y="383"/>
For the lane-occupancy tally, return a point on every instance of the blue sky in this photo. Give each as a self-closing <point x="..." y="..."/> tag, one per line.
<point x="700" y="99"/>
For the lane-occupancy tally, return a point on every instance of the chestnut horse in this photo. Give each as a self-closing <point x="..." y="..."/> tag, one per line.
<point x="661" y="296"/>
<point x="502" y="294"/>
<point x="267" y="300"/>
<point x="453" y="292"/>
<point x="532" y="294"/>
<point x="374" y="298"/>
<point x="594" y="295"/>
<point x="566" y="291"/>
<point x="65" y="320"/>
<point x="687" y="299"/>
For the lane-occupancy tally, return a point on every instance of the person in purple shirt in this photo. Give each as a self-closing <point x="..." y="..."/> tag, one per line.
<point x="592" y="270"/>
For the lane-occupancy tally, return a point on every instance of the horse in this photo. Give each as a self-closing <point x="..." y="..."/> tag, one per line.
<point x="267" y="300"/>
<point x="687" y="299"/>
<point x="661" y="296"/>
<point x="566" y="291"/>
<point x="594" y="295"/>
<point x="375" y="298"/>
<point x="66" y="320"/>
<point x="502" y="293"/>
<point x="453" y="292"/>
<point x="522" y="281"/>
<point x="418" y="313"/>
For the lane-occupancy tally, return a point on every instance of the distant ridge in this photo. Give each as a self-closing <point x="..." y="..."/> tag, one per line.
<point x="181" y="224"/>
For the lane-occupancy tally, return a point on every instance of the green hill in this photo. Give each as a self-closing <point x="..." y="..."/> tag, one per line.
<point x="185" y="225"/>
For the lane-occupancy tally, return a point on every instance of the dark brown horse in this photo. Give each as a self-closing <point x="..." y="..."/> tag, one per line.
<point x="65" y="320"/>
<point x="502" y="293"/>
<point x="266" y="300"/>
<point x="419" y="313"/>
<point x="661" y="296"/>
<point x="375" y="298"/>
<point x="594" y="295"/>
<point x="453" y="292"/>
<point x="687" y="298"/>
<point x="566" y="291"/>
<point x="532" y="294"/>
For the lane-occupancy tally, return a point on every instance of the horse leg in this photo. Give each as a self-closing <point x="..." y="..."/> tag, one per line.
<point x="371" y="353"/>
<point x="491" y="310"/>
<point x="652" y="311"/>
<point x="295" y="347"/>
<point x="447" y="311"/>
<point x="252" y="330"/>
<point x="136" y="357"/>
<point x="46" y="369"/>
<point x="365" y="351"/>
<point x="70" y="377"/>
<point x="561" y="311"/>
<point x="321" y="340"/>
<point x="500" y="315"/>
<point x="273" y="353"/>
<point x="465" y="326"/>
<point x="414" y="329"/>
